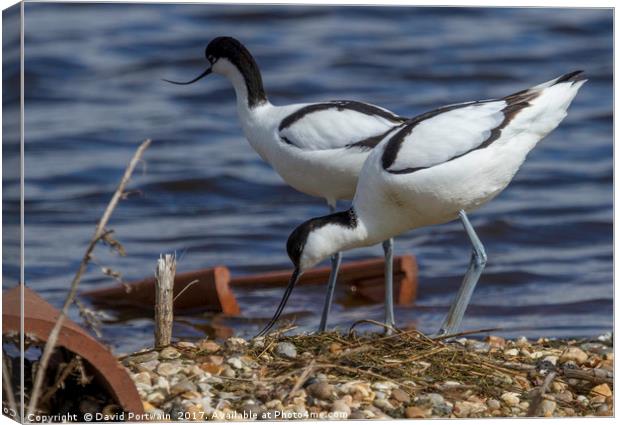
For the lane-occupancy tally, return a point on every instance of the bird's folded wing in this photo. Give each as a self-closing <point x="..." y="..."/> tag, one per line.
<point x="449" y="132"/>
<point x="337" y="124"/>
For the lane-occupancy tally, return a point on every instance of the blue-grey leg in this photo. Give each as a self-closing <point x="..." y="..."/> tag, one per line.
<point x="478" y="260"/>
<point x="331" y="284"/>
<point x="388" y="250"/>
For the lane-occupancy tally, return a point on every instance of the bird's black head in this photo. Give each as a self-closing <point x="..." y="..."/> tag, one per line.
<point x="227" y="48"/>
<point x="297" y="244"/>
<point x="306" y="249"/>
<point x="228" y="56"/>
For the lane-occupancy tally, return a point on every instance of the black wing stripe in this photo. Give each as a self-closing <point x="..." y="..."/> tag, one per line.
<point x="571" y="76"/>
<point x="515" y="103"/>
<point x="341" y="105"/>
<point x="394" y="144"/>
<point x="370" y="142"/>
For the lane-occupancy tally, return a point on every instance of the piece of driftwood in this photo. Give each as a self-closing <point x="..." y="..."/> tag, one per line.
<point x="164" y="284"/>
<point x="200" y="290"/>
<point x="363" y="278"/>
<point x="210" y="289"/>
<point x="39" y="320"/>
<point x="596" y="376"/>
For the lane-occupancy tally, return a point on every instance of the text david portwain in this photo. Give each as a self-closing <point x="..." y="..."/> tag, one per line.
<point x="184" y="416"/>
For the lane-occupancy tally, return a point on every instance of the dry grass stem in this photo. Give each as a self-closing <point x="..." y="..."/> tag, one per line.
<point x="99" y="233"/>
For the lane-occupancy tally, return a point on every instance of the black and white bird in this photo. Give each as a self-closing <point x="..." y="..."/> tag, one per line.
<point x="317" y="148"/>
<point x="433" y="169"/>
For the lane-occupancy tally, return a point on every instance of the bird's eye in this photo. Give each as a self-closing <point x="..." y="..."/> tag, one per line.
<point x="211" y="58"/>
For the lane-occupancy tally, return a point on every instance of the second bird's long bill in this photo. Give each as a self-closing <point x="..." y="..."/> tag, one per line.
<point x="289" y="289"/>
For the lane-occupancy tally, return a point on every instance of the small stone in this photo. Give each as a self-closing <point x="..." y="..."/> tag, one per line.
<point x="435" y="398"/>
<point x="511" y="352"/>
<point x="565" y="397"/>
<point x="583" y="400"/>
<point x="551" y="359"/>
<point x="601" y="390"/>
<point x="335" y="348"/>
<point x="234" y="343"/>
<point x="216" y="360"/>
<point x="142" y="378"/>
<point x="167" y="369"/>
<point x="146" y="357"/>
<point x="380" y="395"/>
<point x="382" y="403"/>
<point x="384" y="386"/>
<point x="511" y="399"/>
<point x="156" y="398"/>
<point x="150" y="365"/>
<point x="602" y="410"/>
<point x="235" y="362"/>
<point x="341" y="407"/>
<point x="213" y="369"/>
<point x="169" y="353"/>
<point x="162" y="384"/>
<point x="258" y="342"/>
<point x="522" y="342"/>
<point x="401" y="395"/>
<point x="493" y="404"/>
<point x="286" y="349"/>
<point x="569" y="411"/>
<point x="495" y="341"/>
<point x="524" y="405"/>
<point x="451" y="384"/>
<point x="414" y="412"/>
<point x="147" y="406"/>
<point x="464" y="409"/>
<point x="558" y="387"/>
<point x="186" y="344"/>
<point x="182" y="387"/>
<point x="575" y="354"/>
<point x="229" y="373"/>
<point x="547" y="407"/>
<point x="209" y="346"/>
<point x="320" y="390"/>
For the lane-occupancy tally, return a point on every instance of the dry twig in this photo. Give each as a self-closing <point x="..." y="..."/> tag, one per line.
<point x="540" y="392"/>
<point x="99" y="233"/>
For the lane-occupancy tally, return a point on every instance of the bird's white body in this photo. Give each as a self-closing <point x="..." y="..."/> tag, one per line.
<point x="318" y="160"/>
<point x="443" y="166"/>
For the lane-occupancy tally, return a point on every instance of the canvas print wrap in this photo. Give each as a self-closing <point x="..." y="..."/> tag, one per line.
<point x="303" y="212"/>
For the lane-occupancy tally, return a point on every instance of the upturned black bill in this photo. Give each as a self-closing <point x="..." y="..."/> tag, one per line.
<point x="204" y="74"/>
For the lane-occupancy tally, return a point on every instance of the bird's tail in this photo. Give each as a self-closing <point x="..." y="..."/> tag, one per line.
<point x="547" y="104"/>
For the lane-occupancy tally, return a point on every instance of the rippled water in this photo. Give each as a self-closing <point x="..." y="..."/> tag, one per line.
<point x="94" y="91"/>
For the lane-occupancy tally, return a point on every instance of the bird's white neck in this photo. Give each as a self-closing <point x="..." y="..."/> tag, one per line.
<point x="339" y="232"/>
<point x="246" y="80"/>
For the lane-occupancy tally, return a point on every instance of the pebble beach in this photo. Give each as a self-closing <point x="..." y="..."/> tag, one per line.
<point x="374" y="376"/>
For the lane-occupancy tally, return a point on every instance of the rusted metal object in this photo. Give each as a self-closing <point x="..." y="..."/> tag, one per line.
<point x="363" y="278"/>
<point x="212" y="291"/>
<point x="39" y="319"/>
<point x="208" y="290"/>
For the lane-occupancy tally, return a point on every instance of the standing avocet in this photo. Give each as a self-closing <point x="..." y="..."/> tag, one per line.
<point x="317" y="148"/>
<point x="433" y="169"/>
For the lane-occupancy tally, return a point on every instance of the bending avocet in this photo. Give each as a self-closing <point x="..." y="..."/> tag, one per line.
<point x="431" y="170"/>
<point x="317" y="148"/>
